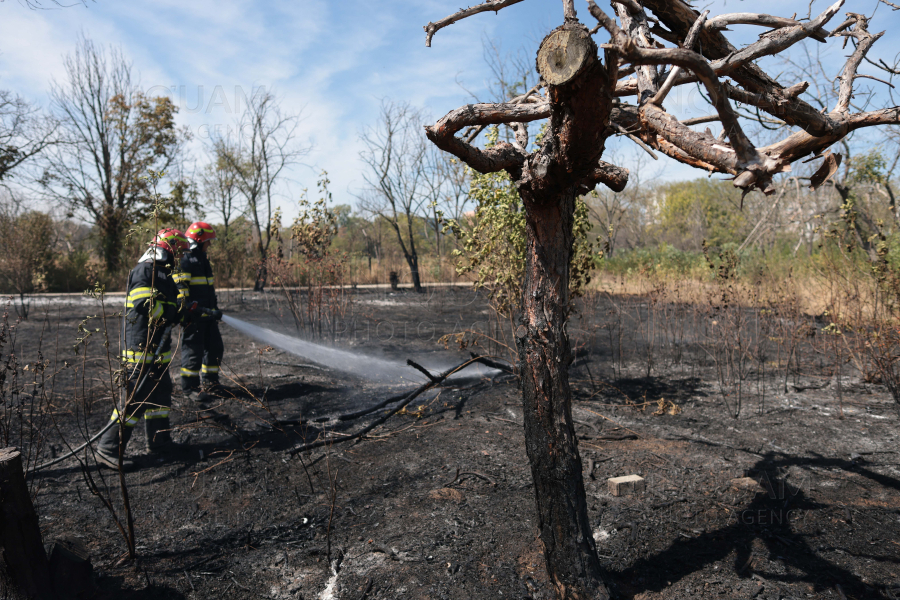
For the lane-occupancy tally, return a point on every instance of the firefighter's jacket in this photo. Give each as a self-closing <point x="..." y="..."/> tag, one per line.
<point x="195" y="281"/>
<point x="151" y="309"/>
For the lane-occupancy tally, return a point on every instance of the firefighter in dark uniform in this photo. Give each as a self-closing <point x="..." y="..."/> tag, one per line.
<point x="201" y="346"/>
<point x="151" y="311"/>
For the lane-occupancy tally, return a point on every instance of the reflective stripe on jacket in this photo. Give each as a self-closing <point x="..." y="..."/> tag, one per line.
<point x="151" y="305"/>
<point x="195" y="281"/>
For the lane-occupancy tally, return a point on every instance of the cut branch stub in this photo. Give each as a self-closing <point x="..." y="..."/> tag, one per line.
<point x="563" y="54"/>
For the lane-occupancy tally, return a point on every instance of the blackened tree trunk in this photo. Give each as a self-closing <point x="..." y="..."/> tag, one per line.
<point x="548" y="181"/>
<point x="412" y="256"/>
<point x="544" y="357"/>
<point x="548" y="185"/>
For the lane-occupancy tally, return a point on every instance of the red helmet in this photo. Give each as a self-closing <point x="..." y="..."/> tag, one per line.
<point x="200" y="232"/>
<point x="171" y="240"/>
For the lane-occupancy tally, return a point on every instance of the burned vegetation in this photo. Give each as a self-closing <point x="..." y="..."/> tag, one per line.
<point x="756" y="442"/>
<point x="765" y="474"/>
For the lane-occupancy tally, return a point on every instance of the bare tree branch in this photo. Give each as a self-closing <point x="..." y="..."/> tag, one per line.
<point x="678" y="16"/>
<point x="38" y="5"/>
<point x="774" y="42"/>
<point x="701" y="120"/>
<point x="688" y="45"/>
<point x="500" y="157"/>
<point x="257" y="160"/>
<point x="636" y="140"/>
<point x="528" y="96"/>
<point x="669" y="127"/>
<point x="887" y="83"/>
<point x="723" y="21"/>
<point x="797" y="114"/>
<point x="24" y="132"/>
<point x="494" y="5"/>
<point x="673" y="151"/>
<point x="864" y="39"/>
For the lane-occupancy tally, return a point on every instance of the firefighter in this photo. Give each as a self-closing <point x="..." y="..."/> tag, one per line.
<point x="151" y="310"/>
<point x="201" y="346"/>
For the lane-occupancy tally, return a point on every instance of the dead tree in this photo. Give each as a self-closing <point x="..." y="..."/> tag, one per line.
<point x="396" y="173"/>
<point x="585" y="102"/>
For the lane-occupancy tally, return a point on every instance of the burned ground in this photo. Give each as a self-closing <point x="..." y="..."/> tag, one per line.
<point x="786" y="501"/>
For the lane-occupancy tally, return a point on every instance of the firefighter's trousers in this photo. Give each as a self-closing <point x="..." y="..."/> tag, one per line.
<point x="201" y="354"/>
<point x="152" y="402"/>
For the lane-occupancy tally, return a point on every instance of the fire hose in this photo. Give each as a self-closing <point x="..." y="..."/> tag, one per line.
<point x="166" y="333"/>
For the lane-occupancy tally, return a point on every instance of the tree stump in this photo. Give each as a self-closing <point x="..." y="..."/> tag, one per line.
<point x="24" y="572"/>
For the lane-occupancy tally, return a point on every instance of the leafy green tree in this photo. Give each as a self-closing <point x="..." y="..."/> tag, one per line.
<point x="181" y="205"/>
<point x="702" y="209"/>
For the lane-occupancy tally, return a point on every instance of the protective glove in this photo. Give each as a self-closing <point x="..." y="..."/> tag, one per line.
<point x="213" y="313"/>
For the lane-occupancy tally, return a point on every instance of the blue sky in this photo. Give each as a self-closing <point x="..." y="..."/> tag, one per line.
<point x="330" y="61"/>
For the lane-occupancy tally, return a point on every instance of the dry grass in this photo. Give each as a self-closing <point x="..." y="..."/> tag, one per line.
<point x="814" y="295"/>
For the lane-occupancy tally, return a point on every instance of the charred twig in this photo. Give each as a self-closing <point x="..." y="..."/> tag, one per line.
<point x="493" y="364"/>
<point x="612" y="421"/>
<point x="366" y="588"/>
<point x="636" y="140"/>
<point x="229" y="458"/>
<point x="332" y="484"/>
<point x="474" y="474"/>
<point x="284" y="364"/>
<point x="406" y="400"/>
<point x="421" y="369"/>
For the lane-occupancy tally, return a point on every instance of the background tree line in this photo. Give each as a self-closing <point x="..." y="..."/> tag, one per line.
<point x="75" y="195"/>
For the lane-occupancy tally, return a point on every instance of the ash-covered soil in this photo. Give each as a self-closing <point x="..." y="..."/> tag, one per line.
<point x="787" y="501"/>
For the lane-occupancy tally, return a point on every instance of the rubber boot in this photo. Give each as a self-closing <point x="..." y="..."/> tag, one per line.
<point x="193" y="392"/>
<point x="159" y="438"/>
<point x="108" y="449"/>
<point x="212" y="389"/>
